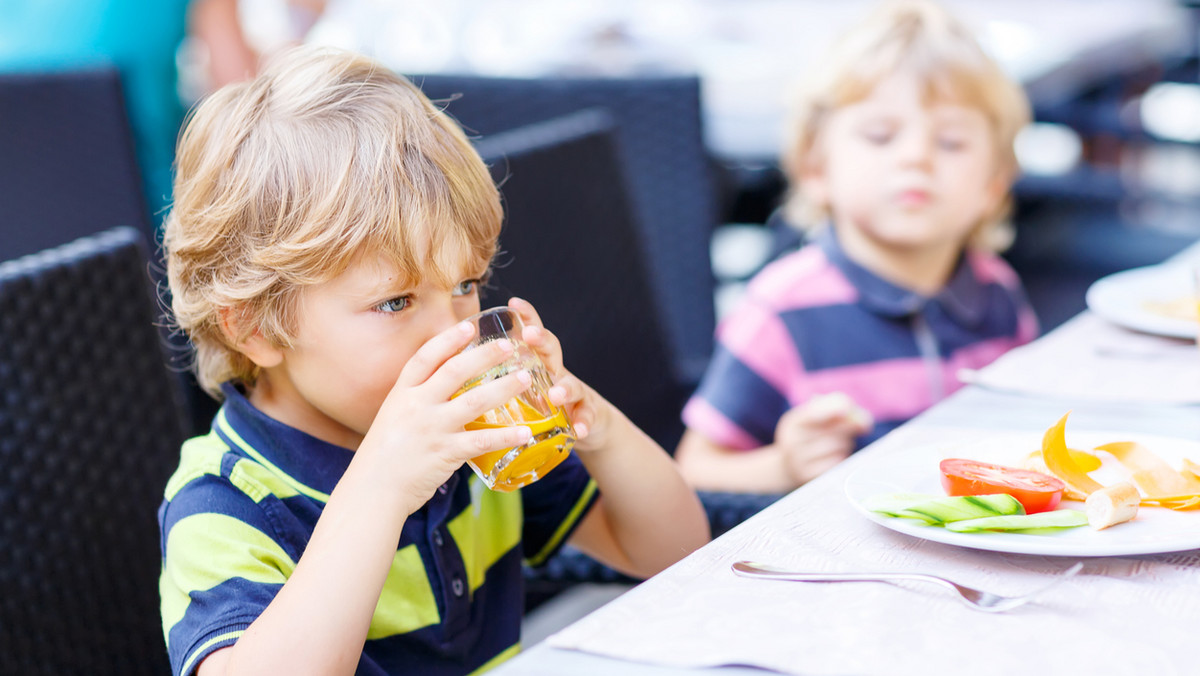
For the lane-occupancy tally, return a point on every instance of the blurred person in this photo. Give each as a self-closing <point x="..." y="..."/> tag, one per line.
<point x="229" y="55"/>
<point x="137" y="37"/>
<point x="140" y="39"/>
<point x="899" y="165"/>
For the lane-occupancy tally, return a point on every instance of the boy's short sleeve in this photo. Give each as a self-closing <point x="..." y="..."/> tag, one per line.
<point x="553" y="506"/>
<point x="222" y="566"/>
<point x="742" y="397"/>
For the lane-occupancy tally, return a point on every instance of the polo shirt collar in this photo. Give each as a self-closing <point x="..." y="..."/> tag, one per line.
<point x="304" y="458"/>
<point x="299" y="457"/>
<point x="961" y="298"/>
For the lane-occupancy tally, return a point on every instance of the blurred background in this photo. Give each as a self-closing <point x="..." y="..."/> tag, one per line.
<point x="692" y="98"/>
<point x="1111" y="166"/>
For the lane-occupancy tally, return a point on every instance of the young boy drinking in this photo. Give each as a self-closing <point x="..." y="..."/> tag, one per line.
<point x="330" y="232"/>
<point x="900" y="161"/>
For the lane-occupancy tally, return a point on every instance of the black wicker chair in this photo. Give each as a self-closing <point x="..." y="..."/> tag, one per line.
<point x="69" y="167"/>
<point x="90" y="428"/>
<point x="568" y="247"/>
<point x="673" y="190"/>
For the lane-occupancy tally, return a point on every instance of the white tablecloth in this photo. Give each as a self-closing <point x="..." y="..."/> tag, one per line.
<point x="1130" y="615"/>
<point x="1089" y="359"/>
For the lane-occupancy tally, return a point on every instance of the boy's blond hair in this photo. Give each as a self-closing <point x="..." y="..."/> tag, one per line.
<point x="918" y="38"/>
<point x="283" y="181"/>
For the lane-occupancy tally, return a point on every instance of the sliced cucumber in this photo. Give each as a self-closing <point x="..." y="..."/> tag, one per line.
<point x="1026" y="523"/>
<point x="891" y="504"/>
<point x="963" y="507"/>
<point x="940" y="510"/>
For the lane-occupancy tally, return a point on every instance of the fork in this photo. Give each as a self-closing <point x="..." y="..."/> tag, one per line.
<point x="974" y="598"/>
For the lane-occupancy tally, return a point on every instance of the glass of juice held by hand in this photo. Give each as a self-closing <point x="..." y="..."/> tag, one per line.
<point x="509" y="469"/>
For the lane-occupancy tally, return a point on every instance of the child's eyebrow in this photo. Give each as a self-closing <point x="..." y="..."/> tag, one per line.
<point x="954" y="112"/>
<point x="387" y="286"/>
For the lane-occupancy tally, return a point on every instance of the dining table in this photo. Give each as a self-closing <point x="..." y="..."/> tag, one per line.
<point x="1133" y="608"/>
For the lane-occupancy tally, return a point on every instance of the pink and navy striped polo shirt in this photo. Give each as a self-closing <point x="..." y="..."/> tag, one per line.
<point x="815" y="322"/>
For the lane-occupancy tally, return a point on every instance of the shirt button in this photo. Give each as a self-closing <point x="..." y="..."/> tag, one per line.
<point x="456" y="586"/>
<point x="443" y="489"/>
<point x="437" y="538"/>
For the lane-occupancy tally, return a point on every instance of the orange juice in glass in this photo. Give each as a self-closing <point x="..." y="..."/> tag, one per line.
<point x="553" y="437"/>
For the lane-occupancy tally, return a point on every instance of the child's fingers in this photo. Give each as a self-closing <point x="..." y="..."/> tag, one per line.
<point x="581" y="421"/>
<point x="547" y="347"/>
<point x="475" y="442"/>
<point x="525" y="310"/>
<point x="567" y="391"/>
<point x="570" y="393"/>
<point x="835" y="408"/>
<point x="430" y="356"/>
<point x="468" y="365"/>
<point x="541" y="340"/>
<point x="479" y="400"/>
<point x="823" y="408"/>
<point x="811" y="457"/>
<point x="845" y="427"/>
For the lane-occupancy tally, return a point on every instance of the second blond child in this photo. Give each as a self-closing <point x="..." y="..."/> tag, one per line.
<point x="900" y="162"/>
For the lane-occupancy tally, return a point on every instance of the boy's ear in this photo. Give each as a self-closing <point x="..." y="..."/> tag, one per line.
<point x="814" y="184"/>
<point x="998" y="187"/>
<point x="1002" y="183"/>
<point x="251" y="343"/>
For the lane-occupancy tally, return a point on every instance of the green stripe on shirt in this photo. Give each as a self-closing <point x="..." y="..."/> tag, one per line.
<point x="563" y="528"/>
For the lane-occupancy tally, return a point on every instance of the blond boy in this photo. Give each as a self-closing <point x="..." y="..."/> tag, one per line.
<point x="330" y="232"/>
<point x="900" y="160"/>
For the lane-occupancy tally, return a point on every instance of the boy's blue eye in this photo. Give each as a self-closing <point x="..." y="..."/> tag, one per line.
<point x="465" y="288"/>
<point x="394" y="304"/>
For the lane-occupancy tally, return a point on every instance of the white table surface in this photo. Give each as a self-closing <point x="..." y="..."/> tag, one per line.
<point x="1122" y="615"/>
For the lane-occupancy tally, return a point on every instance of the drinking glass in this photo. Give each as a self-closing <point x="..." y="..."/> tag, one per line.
<point x="553" y="437"/>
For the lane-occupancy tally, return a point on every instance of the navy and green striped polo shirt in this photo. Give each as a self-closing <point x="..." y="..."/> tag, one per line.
<point x="243" y="503"/>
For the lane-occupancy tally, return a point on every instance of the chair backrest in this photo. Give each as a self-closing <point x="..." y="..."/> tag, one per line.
<point x="661" y="148"/>
<point x="569" y="246"/>
<point x="90" y="429"/>
<point x="68" y="167"/>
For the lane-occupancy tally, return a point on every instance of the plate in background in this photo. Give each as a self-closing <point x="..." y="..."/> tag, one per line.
<point x="1150" y="299"/>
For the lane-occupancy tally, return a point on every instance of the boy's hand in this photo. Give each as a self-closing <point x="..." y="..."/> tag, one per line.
<point x="819" y="434"/>
<point x="587" y="410"/>
<point x="417" y="439"/>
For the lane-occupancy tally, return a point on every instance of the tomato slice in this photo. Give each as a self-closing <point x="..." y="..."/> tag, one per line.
<point x="1035" y="491"/>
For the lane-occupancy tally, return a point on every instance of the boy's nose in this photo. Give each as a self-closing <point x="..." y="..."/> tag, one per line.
<point x="445" y="316"/>
<point x="438" y="316"/>
<point x="917" y="149"/>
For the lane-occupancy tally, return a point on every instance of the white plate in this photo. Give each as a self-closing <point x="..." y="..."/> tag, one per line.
<point x="1122" y="298"/>
<point x="915" y="470"/>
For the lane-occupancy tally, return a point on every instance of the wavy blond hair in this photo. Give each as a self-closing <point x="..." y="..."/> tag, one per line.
<point x="912" y="37"/>
<point x="282" y="181"/>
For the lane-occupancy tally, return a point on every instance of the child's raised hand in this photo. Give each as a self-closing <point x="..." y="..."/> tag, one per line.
<point x="819" y="434"/>
<point x="417" y="439"/>
<point x="586" y="410"/>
